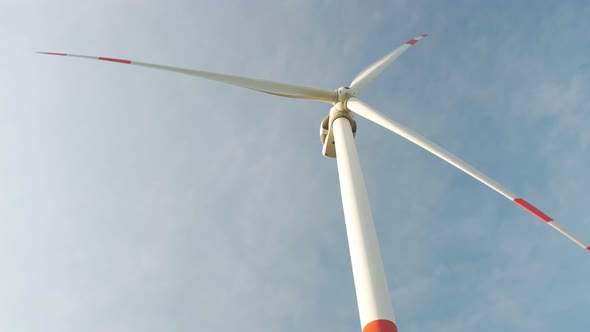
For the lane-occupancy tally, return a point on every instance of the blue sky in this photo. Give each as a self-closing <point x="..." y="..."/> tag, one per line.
<point x="134" y="199"/>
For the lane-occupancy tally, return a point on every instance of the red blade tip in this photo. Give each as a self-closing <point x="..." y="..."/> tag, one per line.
<point x="415" y="40"/>
<point x="52" y="53"/>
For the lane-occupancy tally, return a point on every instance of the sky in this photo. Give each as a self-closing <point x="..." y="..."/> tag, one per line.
<point x="138" y="200"/>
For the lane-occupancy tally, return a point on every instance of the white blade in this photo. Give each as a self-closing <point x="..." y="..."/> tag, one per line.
<point x="368" y="113"/>
<point x="275" y="88"/>
<point x="369" y="74"/>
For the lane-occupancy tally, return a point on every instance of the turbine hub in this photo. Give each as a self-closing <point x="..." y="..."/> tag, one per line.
<point x="344" y="93"/>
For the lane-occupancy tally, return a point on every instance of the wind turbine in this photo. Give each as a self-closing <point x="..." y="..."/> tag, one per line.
<point x="337" y="132"/>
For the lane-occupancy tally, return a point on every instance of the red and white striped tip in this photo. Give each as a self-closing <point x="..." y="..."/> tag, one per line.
<point x="274" y="88"/>
<point x="362" y="109"/>
<point x="369" y="74"/>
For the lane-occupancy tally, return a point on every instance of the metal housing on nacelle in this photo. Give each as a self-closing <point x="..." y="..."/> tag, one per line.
<point x="327" y="136"/>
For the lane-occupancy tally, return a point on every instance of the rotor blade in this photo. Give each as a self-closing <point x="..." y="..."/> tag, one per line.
<point x="274" y="88"/>
<point x="369" y="74"/>
<point x="368" y="113"/>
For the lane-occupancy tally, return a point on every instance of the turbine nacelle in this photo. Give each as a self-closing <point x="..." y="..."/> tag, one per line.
<point x="339" y="110"/>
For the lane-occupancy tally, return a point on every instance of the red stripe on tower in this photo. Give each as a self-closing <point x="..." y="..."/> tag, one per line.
<point x="588" y="248"/>
<point x="528" y="206"/>
<point x="115" y="60"/>
<point x="412" y="42"/>
<point x="380" y="325"/>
